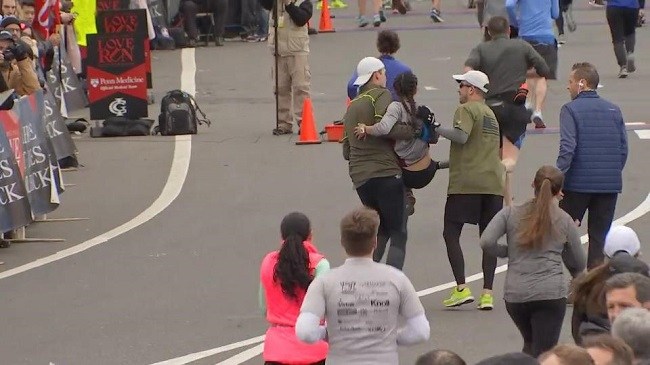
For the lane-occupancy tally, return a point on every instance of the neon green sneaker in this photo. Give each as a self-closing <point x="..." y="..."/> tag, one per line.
<point x="486" y="302"/>
<point x="338" y="4"/>
<point x="458" y="298"/>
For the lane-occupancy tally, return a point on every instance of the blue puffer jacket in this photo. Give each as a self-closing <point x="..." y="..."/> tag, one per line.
<point x="632" y="4"/>
<point x="593" y="145"/>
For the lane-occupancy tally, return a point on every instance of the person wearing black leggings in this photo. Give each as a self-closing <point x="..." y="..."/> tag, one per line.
<point x="539" y="234"/>
<point x="373" y="165"/>
<point x="220" y="10"/>
<point x="476" y="181"/>
<point x="622" y="18"/>
<point x="566" y="13"/>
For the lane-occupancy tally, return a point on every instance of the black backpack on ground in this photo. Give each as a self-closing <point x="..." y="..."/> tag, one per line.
<point x="178" y="114"/>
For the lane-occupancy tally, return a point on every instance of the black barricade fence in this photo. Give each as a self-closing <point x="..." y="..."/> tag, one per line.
<point x="130" y="22"/>
<point x="41" y="173"/>
<point x="55" y="127"/>
<point x="65" y="84"/>
<point x="15" y="211"/>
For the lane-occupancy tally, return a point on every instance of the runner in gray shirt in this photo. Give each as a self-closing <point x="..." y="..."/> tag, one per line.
<point x="537" y="233"/>
<point x="362" y="302"/>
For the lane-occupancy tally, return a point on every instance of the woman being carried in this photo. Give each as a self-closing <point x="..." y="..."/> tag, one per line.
<point x="418" y="168"/>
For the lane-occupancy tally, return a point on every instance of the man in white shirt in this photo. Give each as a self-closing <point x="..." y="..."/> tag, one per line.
<point x="362" y="302"/>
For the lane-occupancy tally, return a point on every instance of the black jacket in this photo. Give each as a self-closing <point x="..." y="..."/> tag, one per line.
<point x="300" y="15"/>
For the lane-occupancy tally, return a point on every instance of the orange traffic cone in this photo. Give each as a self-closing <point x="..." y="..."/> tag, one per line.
<point x="308" y="133"/>
<point x="325" y="20"/>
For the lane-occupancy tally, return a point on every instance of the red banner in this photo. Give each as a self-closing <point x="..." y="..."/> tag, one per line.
<point x="47" y="17"/>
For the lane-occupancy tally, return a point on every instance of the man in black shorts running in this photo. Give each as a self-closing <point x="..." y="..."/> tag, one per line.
<point x="476" y="178"/>
<point x="505" y="61"/>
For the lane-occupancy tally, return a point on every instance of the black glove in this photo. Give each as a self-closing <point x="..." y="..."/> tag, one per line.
<point x="426" y="116"/>
<point x="20" y="50"/>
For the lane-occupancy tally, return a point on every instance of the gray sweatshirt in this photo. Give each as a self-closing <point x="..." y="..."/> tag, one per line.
<point x="411" y="150"/>
<point x="534" y="274"/>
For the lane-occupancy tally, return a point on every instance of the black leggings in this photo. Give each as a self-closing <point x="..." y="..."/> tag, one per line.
<point x="469" y="208"/>
<point x="419" y="179"/>
<point x="386" y="196"/>
<point x="539" y="322"/>
<point x="622" y="25"/>
<point x="559" y="21"/>
<point x="220" y="10"/>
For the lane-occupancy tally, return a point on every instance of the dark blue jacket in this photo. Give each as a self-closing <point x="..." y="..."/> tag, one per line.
<point x="593" y="145"/>
<point x="393" y="68"/>
<point x="632" y="4"/>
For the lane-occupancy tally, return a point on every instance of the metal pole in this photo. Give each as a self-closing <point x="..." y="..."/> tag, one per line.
<point x="276" y="56"/>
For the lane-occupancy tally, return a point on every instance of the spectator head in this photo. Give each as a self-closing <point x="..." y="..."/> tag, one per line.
<point x="440" y="357"/>
<point x="515" y="358"/>
<point x="8" y="7"/>
<point x="6" y="39"/>
<point x="607" y="350"/>
<point x="633" y="327"/>
<point x="359" y="232"/>
<point x="498" y="25"/>
<point x="566" y="355"/>
<point x="627" y="290"/>
<point x="387" y="42"/>
<point x="28" y="11"/>
<point x="371" y="69"/>
<point x="621" y="239"/>
<point x="583" y="76"/>
<point x="12" y="25"/>
<point x="472" y="86"/>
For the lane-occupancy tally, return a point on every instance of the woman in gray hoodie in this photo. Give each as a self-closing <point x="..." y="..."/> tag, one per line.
<point x="536" y="234"/>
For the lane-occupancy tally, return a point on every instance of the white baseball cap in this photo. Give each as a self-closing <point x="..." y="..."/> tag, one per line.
<point x="366" y="68"/>
<point x="474" y="78"/>
<point x="621" y="238"/>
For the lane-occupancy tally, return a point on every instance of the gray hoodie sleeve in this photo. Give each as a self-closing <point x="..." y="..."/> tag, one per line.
<point x="497" y="227"/>
<point x="392" y="116"/>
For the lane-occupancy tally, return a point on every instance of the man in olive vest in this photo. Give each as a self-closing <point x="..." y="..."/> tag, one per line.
<point x="294" y="77"/>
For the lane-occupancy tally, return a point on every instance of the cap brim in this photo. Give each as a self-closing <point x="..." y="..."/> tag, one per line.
<point x="459" y="77"/>
<point x="361" y="80"/>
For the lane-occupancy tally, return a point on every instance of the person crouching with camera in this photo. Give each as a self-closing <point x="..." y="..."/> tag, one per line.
<point x="16" y="66"/>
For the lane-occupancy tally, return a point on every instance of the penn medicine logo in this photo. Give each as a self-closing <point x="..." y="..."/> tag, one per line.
<point x="94" y="82"/>
<point x="118" y="107"/>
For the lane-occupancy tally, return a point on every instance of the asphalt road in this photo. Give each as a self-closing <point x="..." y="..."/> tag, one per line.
<point x="181" y="276"/>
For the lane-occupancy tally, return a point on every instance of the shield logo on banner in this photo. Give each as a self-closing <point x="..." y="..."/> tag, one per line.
<point x="94" y="82"/>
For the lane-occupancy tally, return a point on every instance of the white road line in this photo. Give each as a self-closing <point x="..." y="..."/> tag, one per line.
<point x="636" y="213"/>
<point x="203" y="354"/>
<point x="643" y="134"/>
<point x="173" y="186"/>
<point x="244" y="356"/>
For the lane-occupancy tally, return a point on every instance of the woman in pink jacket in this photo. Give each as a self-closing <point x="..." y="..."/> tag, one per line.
<point x="285" y="276"/>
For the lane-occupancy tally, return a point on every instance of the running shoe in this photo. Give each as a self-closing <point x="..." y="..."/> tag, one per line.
<point x="536" y="118"/>
<point x="561" y="39"/>
<point x="597" y="3"/>
<point x="570" y="21"/>
<point x="622" y="73"/>
<point x="485" y="302"/>
<point x="399" y="6"/>
<point x="338" y="4"/>
<point x="387" y="4"/>
<point x="631" y="67"/>
<point x="376" y="20"/>
<point x="382" y="16"/>
<point x="362" y="21"/>
<point x="435" y="16"/>
<point x="458" y="298"/>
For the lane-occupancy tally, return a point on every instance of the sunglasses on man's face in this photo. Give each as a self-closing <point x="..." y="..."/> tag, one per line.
<point x="464" y="84"/>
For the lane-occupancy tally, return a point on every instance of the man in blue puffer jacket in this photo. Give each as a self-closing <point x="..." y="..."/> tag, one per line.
<point x="593" y="152"/>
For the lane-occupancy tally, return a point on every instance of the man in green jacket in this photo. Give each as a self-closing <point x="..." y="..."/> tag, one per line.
<point x="373" y="164"/>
